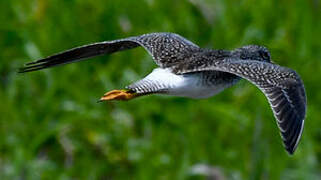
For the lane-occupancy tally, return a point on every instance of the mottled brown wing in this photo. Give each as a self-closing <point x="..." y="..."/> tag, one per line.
<point x="166" y="49"/>
<point x="282" y="86"/>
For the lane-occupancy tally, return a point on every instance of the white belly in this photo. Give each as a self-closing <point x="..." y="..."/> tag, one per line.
<point x="187" y="85"/>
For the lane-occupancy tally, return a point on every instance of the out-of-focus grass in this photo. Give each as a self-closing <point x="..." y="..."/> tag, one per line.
<point x="51" y="126"/>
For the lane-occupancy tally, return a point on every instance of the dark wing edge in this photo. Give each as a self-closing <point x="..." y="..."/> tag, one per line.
<point x="155" y="43"/>
<point x="289" y="108"/>
<point x="78" y="54"/>
<point x="282" y="86"/>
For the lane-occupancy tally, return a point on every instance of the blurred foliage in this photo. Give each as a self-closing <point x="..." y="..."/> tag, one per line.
<point x="52" y="128"/>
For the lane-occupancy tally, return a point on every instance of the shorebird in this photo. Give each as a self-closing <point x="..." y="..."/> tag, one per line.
<point x="190" y="71"/>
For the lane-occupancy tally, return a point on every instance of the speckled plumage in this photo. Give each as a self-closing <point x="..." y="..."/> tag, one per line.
<point x="187" y="70"/>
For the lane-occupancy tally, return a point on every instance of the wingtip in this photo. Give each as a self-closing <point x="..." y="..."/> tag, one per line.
<point x="27" y="67"/>
<point x="21" y="70"/>
<point x="24" y="70"/>
<point x="291" y="150"/>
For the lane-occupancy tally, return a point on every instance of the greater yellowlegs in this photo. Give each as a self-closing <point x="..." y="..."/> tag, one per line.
<point x="190" y="71"/>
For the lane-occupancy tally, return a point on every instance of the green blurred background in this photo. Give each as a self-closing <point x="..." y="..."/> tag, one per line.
<point x="51" y="126"/>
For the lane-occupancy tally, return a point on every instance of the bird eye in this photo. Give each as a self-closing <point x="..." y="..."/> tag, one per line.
<point x="243" y="56"/>
<point x="265" y="55"/>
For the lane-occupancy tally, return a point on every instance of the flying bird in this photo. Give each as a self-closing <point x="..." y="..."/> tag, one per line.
<point x="187" y="70"/>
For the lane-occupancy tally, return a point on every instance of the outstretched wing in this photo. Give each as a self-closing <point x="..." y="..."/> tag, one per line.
<point x="166" y="49"/>
<point x="282" y="86"/>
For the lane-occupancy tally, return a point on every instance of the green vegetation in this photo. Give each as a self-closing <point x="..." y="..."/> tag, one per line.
<point x="51" y="126"/>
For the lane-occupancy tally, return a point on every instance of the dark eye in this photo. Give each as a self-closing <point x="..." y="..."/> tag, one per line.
<point x="265" y="55"/>
<point x="243" y="56"/>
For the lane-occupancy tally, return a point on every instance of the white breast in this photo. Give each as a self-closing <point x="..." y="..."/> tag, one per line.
<point x="187" y="85"/>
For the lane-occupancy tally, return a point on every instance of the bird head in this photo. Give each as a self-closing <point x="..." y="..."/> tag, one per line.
<point x="254" y="52"/>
